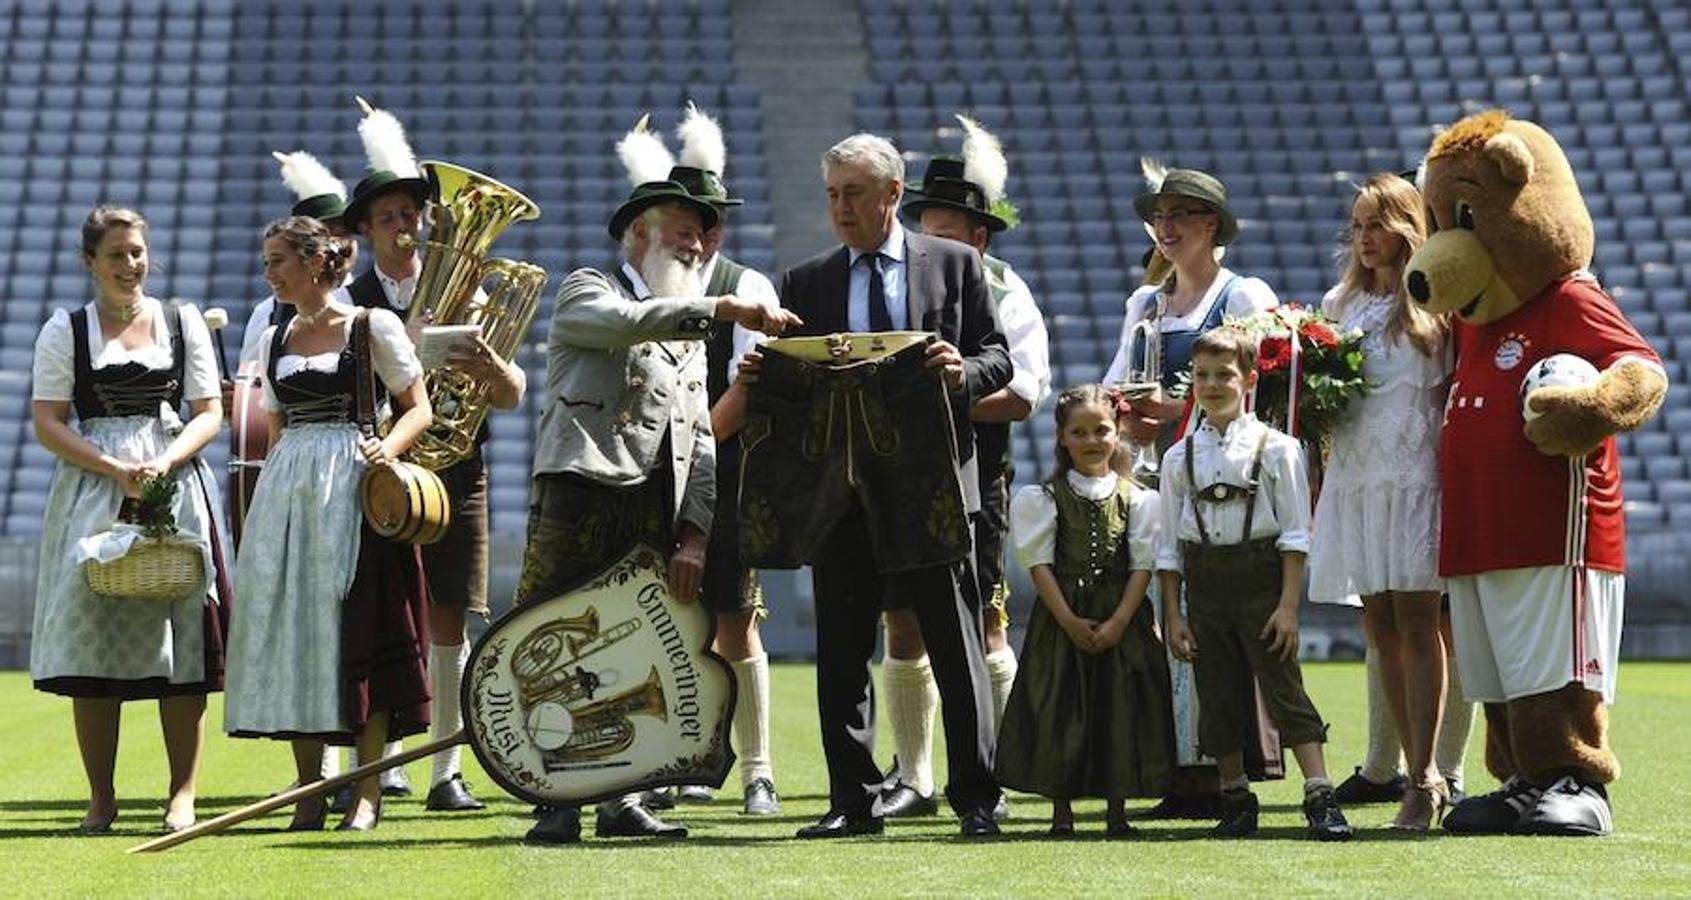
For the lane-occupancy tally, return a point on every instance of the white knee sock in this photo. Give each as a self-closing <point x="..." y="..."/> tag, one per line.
<point x="751" y="718"/>
<point x="446" y="675"/>
<point x="912" y="697"/>
<point x="1001" y="669"/>
<point x="1385" y="755"/>
<point x="1458" y="721"/>
<point x="331" y="764"/>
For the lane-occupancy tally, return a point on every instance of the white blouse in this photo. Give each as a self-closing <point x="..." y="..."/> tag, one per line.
<point x="1033" y="520"/>
<point x="391" y="355"/>
<point x="55" y="360"/>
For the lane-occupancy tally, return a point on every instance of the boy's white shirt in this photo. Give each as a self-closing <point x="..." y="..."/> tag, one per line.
<point x="1282" y="500"/>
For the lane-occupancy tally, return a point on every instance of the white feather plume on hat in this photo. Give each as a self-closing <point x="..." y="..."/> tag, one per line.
<point x="644" y="157"/>
<point x="1154" y="172"/>
<point x="307" y="177"/>
<point x="983" y="160"/>
<point x="702" y="145"/>
<point x="385" y="145"/>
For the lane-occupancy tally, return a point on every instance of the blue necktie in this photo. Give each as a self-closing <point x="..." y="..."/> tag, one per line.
<point x="879" y="318"/>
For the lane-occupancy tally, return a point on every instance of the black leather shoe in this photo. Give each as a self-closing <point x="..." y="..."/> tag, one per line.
<point x="658" y="798"/>
<point x="1238" y="816"/>
<point x="636" y="821"/>
<point x="1176" y="806"/>
<point x="890" y="779"/>
<point x="694" y="793"/>
<point x="1495" y="813"/>
<point x="1326" y="820"/>
<point x="558" y="825"/>
<point x="452" y="795"/>
<point x="340" y="801"/>
<point x="761" y="799"/>
<point x="978" y="824"/>
<point x="902" y="802"/>
<point x="837" y="824"/>
<point x="1357" y="789"/>
<point x="395" y="783"/>
<point x="1570" y="807"/>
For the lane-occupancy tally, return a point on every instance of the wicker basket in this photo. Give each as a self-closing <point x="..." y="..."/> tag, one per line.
<point x="168" y="569"/>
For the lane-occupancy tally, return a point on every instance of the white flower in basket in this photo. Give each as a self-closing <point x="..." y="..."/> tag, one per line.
<point x="142" y="557"/>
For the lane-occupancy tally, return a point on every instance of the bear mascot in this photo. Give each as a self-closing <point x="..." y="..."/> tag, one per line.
<point x="1531" y="542"/>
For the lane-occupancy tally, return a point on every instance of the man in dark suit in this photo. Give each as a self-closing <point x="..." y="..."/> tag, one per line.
<point x="885" y="279"/>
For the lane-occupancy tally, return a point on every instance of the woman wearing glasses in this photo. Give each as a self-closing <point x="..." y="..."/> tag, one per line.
<point x="1188" y="216"/>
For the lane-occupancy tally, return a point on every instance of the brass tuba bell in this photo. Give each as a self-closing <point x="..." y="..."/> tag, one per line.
<point x="604" y="729"/>
<point x="468" y="212"/>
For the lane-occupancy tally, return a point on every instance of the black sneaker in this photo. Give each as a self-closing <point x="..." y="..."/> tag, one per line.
<point x="1496" y="812"/>
<point x="1326" y="820"/>
<point x="1238" y="815"/>
<point x="1570" y="807"/>
<point x="1357" y="790"/>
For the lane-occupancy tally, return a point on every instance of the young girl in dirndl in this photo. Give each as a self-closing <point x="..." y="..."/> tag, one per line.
<point x="1088" y="715"/>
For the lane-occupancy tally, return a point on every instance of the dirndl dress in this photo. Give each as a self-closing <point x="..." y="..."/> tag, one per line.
<point x="84" y="645"/>
<point x="333" y="628"/>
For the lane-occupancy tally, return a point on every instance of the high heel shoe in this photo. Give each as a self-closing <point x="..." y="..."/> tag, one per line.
<point x="1424" y="805"/>
<point x="310" y="823"/>
<point x="89" y="827"/>
<point x="353" y="822"/>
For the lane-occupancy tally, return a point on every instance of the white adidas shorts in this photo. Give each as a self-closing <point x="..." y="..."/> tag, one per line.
<point x="1529" y="631"/>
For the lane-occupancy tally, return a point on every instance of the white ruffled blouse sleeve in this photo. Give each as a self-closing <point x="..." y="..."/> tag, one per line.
<point x="54" y="368"/>
<point x="1033" y="526"/>
<point x="391" y="351"/>
<point x="1143" y="526"/>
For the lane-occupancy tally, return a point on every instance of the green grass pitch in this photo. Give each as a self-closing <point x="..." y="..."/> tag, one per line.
<point x="414" y="854"/>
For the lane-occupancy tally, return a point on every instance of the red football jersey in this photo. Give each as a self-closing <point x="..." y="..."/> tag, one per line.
<point x="1506" y="505"/>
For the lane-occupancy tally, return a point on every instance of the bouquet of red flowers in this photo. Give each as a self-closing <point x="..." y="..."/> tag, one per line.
<point x="1308" y="371"/>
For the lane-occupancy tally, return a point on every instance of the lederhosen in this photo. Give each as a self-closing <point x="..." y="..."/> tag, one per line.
<point x="133" y="389"/>
<point x="729" y="587"/>
<point x="820" y="439"/>
<point x="1231" y="590"/>
<point x="577" y="526"/>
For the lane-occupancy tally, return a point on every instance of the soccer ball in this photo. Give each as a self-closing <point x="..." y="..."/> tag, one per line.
<point x="1556" y="370"/>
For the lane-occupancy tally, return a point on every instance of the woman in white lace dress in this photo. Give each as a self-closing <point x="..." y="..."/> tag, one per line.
<point x="1377" y="521"/>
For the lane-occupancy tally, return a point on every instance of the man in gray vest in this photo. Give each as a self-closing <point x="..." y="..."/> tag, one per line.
<point x="963" y="199"/>
<point x="625" y="440"/>
<point x="731" y="590"/>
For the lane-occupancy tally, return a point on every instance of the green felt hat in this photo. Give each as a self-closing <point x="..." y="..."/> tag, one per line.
<point x="1200" y="186"/>
<point x="944" y="187"/>
<point x="705" y="185"/>
<point x="651" y="194"/>
<point x="325" y="208"/>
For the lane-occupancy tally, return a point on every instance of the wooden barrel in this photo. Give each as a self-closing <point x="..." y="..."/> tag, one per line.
<point x="249" y="442"/>
<point x="405" y="502"/>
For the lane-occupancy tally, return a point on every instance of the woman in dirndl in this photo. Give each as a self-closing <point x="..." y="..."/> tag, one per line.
<point x="124" y="363"/>
<point x="329" y="647"/>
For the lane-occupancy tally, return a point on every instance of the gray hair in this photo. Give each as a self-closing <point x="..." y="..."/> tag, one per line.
<point x="873" y="152"/>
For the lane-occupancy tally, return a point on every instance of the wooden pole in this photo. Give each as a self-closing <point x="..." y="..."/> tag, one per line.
<point x="290" y="797"/>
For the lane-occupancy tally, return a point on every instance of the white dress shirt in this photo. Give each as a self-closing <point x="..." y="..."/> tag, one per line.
<point x="1282" y="498"/>
<point x="893" y="281"/>
<point x="1030" y="345"/>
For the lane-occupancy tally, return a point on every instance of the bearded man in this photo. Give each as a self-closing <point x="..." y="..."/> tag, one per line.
<point x="625" y="450"/>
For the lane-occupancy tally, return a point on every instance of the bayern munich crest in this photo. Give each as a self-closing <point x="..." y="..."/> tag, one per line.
<point x="601" y="691"/>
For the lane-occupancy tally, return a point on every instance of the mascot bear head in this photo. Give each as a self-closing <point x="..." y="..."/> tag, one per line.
<point x="1507" y="215"/>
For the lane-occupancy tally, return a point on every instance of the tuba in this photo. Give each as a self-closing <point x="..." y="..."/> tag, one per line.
<point x="460" y="285"/>
<point x="603" y="728"/>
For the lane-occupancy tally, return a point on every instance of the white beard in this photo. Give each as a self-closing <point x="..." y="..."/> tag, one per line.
<point x="668" y="276"/>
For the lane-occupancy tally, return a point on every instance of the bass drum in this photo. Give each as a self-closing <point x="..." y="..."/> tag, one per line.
<point x="249" y="442"/>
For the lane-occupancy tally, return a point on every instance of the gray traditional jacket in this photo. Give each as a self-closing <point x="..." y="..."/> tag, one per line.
<point x="624" y="369"/>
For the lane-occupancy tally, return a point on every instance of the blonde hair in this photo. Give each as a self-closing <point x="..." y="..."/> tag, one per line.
<point x="311" y="239"/>
<point x="1404" y="214"/>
